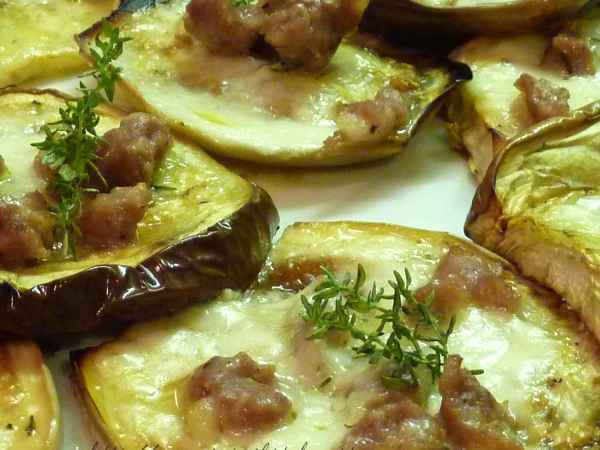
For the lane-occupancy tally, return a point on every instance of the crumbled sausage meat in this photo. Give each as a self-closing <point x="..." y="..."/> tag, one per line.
<point x="302" y="33"/>
<point x="473" y="417"/>
<point x="306" y="33"/>
<point x="370" y="120"/>
<point x="396" y="422"/>
<point x="129" y="153"/>
<point x="539" y="100"/>
<point x="464" y="278"/>
<point x="25" y="230"/>
<point x="223" y="27"/>
<point x="243" y="393"/>
<point x="569" y="55"/>
<point x="110" y="220"/>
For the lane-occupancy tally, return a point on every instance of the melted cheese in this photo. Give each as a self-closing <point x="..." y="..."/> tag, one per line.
<point x="533" y="360"/>
<point x="26" y="391"/>
<point x="498" y="63"/>
<point x="36" y="36"/>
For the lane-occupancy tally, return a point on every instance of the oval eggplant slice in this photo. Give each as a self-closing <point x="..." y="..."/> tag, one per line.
<point x="205" y="230"/>
<point x="462" y="17"/>
<point x="536" y="357"/>
<point x="539" y="207"/>
<point x="29" y="410"/>
<point x="36" y="38"/>
<point x="249" y="109"/>
<point x="484" y="113"/>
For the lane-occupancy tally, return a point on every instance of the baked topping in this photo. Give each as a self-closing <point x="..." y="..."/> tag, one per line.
<point x="539" y="100"/>
<point x="110" y="220"/>
<point x="128" y="155"/>
<point x="242" y="393"/>
<point x="463" y="278"/>
<point x="301" y="33"/>
<point x="473" y="417"/>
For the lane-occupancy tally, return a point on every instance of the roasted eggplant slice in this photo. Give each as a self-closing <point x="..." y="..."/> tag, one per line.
<point x="485" y="112"/>
<point x="462" y="17"/>
<point x="205" y="230"/>
<point x="538" y="207"/>
<point x="534" y="354"/>
<point x="29" y="410"/>
<point x="36" y="38"/>
<point x="250" y="109"/>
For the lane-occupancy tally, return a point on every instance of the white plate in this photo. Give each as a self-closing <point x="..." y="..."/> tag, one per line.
<point x="427" y="186"/>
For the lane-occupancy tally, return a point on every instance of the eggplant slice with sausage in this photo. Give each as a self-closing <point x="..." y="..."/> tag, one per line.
<point x="196" y="229"/>
<point x="521" y="80"/>
<point x="36" y="38"/>
<point x="470" y="17"/>
<point x="538" y="207"/>
<point x="243" y="371"/>
<point x="29" y="409"/>
<point x="253" y="80"/>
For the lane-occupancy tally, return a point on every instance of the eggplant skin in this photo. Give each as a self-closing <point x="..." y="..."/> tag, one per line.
<point x="558" y="249"/>
<point x="229" y="254"/>
<point x="491" y="19"/>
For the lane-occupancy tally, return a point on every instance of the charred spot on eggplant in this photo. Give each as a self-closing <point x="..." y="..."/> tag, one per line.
<point x="205" y="230"/>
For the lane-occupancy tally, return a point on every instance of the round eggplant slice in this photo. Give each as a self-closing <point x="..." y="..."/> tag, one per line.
<point x="205" y="230"/>
<point x="36" y="37"/>
<point x="536" y="357"/>
<point x="539" y="207"/>
<point x="29" y="410"/>
<point x="470" y="17"/>
<point x="250" y="109"/>
<point x="484" y="112"/>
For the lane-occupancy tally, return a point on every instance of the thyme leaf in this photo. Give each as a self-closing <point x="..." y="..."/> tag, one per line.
<point x="70" y="146"/>
<point x="407" y="333"/>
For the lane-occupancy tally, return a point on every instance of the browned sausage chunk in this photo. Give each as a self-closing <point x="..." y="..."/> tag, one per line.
<point x="463" y="278"/>
<point x="110" y="220"/>
<point x="395" y="422"/>
<point x="569" y="55"/>
<point x="540" y="100"/>
<point x="130" y="152"/>
<point x="370" y="120"/>
<point x="25" y="230"/>
<point x="473" y="417"/>
<point x="242" y="392"/>
<point x="306" y="33"/>
<point x="222" y="27"/>
<point x="302" y="33"/>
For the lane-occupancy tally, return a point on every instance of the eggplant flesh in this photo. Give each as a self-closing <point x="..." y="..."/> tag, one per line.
<point x="470" y="17"/>
<point x="523" y="351"/>
<point x="29" y="410"/>
<point x="481" y="111"/>
<point x="539" y="207"/>
<point x="267" y="115"/>
<point x="37" y="42"/>
<point x="206" y="229"/>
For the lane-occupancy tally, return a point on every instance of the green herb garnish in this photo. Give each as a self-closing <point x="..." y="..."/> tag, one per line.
<point x="240" y="3"/>
<point x="407" y="333"/>
<point x="71" y="142"/>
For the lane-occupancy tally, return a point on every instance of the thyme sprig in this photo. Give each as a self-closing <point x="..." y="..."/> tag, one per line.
<point x="407" y="333"/>
<point x="70" y="146"/>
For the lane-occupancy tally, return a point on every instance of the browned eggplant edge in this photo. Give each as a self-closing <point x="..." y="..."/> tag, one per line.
<point x="485" y="195"/>
<point x="525" y="15"/>
<point x="228" y="254"/>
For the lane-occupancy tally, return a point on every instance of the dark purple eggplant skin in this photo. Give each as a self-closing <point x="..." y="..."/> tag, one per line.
<point x="228" y="255"/>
